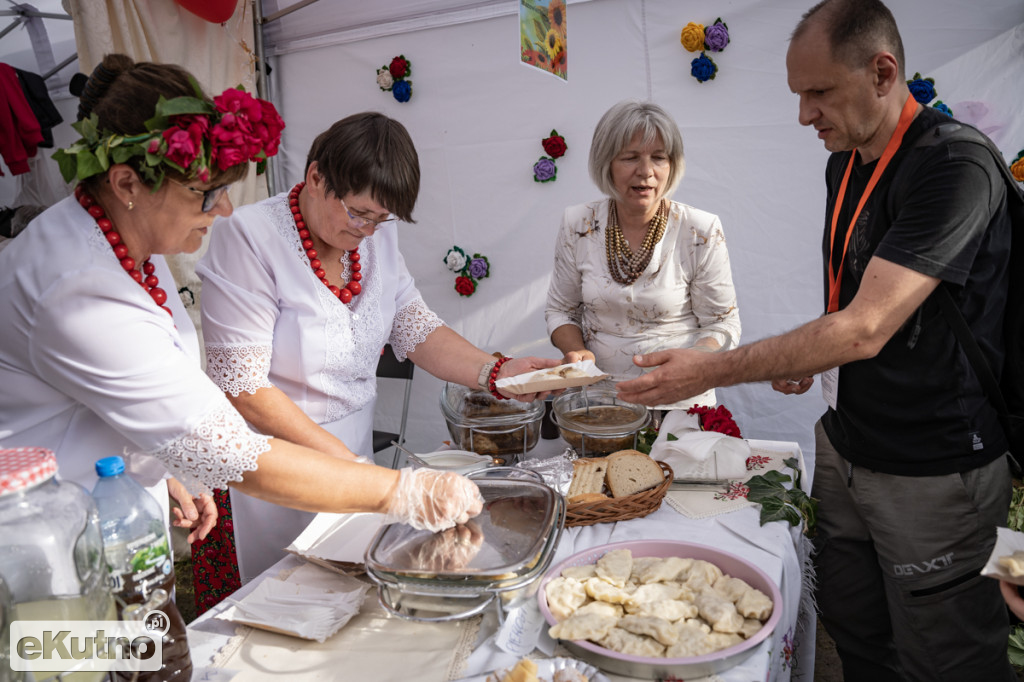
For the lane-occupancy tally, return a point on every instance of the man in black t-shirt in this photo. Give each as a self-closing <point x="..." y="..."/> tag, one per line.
<point x="910" y="465"/>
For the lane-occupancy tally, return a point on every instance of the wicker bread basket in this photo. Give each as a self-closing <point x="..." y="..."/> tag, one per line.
<point x="620" y="508"/>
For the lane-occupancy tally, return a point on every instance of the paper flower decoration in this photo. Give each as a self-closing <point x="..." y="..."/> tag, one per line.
<point x="394" y="78"/>
<point x="1017" y="166"/>
<point x="468" y="270"/>
<point x="716" y="36"/>
<point x="555" y="145"/>
<point x="545" y="170"/>
<point x="692" y="37"/>
<point x="696" y="38"/>
<point x="923" y="89"/>
<point x="703" y="68"/>
<point x="943" y="107"/>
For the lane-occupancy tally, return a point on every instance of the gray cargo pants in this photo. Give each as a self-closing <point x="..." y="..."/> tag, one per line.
<point x="897" y="560"/>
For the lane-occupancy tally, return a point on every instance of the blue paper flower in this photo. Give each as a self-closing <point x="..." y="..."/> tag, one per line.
<point x="923" y="89"/>
<point x="402" y="90"/>
<point x="703" y="68"/>
<point x="943" y="107"/>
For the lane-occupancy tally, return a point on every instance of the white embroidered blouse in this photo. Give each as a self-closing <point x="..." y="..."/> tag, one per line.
<point x="685" y="293"/>
<point x="90" y="366"/>
<point x="268" y="320"/>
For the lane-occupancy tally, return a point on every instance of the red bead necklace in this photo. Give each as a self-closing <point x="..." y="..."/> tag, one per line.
<point x="146" y="279"/>
<point x="353" y="288"/>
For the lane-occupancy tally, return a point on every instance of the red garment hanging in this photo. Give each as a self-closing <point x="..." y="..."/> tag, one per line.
<point x="20" y="132"/>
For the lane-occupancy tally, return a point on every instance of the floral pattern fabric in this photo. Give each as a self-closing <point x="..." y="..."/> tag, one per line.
<point x="686" y="293"/>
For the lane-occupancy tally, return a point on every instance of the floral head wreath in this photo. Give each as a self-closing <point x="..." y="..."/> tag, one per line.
<point x="187" y="134"/>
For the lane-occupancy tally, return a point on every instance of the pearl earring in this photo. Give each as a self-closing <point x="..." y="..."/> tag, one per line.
<point x="131" y="205"/>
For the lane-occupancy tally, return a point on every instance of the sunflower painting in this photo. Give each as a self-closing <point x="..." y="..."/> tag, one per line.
<point x="542" y="35"/>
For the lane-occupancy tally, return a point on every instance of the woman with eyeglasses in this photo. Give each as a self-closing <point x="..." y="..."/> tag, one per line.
<point x="91" y="364"/>
<point x="300" y="293"/>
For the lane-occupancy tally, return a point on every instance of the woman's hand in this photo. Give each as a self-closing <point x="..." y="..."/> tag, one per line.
<point x="428" y="499"/>
<point x="793" y="386"/>
<point x="574" y="356"/>
<point x="518" y="366"/>
<point x="197" y="513"/>
<point x="450" y="550"/>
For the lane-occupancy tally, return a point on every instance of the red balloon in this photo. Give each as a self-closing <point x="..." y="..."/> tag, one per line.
<point x="214" y="11"/>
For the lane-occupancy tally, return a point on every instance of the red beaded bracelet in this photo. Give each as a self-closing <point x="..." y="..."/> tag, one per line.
<point x="494" y="377"/>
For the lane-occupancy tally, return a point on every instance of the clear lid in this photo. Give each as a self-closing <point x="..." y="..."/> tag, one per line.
<point x="475" y="407"/>
<point x="22" y="468"/>
<point x="501" y="546"/>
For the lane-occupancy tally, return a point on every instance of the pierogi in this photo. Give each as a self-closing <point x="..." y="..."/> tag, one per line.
<point x="655" y="607"/>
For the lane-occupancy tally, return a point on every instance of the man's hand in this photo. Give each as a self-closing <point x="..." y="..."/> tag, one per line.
<point x="197" y="513"/>
<point x="793" y="386"/>
<point x="679" y="374"/>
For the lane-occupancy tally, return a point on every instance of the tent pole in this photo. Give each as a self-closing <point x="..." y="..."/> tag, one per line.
<point x="262" y="82"/>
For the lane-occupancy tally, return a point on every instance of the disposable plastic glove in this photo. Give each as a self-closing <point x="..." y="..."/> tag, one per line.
<point x="428" y="499"/>
<point x="449" y="550"/>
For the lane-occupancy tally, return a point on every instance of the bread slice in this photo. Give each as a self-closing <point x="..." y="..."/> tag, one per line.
<point x="587" y="476"/>
<point x="587" y="497"/>
<point x="630" y="472"/>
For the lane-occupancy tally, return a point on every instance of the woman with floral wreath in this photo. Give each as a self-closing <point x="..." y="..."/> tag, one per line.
<point x="90" y="361"/>
<point x="638" y="272"/>
<point x="302" y="291"/>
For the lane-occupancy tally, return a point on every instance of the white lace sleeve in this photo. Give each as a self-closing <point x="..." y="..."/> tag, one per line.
<point x="216" y="451"/>
<point x="413" y="323"/>
<point x="239" y="367"/>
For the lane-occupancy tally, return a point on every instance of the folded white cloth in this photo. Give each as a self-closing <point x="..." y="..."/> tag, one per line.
<point x="699" y="454"/>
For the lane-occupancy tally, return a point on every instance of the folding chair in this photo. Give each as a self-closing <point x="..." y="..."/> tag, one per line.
<point x="390" y="368"/>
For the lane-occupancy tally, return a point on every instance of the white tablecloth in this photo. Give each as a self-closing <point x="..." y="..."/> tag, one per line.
<point x="379" y="648"/>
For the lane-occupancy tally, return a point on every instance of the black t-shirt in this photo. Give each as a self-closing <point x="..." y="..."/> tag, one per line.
<point x="917" y="407"/>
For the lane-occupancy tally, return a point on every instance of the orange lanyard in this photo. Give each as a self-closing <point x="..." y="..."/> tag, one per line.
<point x="835" y="274"/>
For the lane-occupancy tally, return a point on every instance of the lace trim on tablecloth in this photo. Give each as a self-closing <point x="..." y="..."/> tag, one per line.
<point x="239" y="367"/>
<point x="413" y="323"/>
<point x="233" y="644"/>
<point x="464" y="647"/>
<point x="216" y="451"/>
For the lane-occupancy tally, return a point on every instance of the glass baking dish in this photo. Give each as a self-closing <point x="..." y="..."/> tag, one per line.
<point x="457" y="573"/>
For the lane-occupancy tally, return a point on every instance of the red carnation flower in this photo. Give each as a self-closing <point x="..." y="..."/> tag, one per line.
<point x="465" y="286"/>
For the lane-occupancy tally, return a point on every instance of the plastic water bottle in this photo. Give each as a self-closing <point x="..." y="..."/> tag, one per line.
<point x="138" y="553"/>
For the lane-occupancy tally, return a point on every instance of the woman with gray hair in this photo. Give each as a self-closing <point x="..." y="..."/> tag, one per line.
<point x="638" y="272"/>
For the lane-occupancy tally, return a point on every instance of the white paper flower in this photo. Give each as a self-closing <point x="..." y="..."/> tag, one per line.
<point x="384" y="79"/>
<point x="456" y="259"/>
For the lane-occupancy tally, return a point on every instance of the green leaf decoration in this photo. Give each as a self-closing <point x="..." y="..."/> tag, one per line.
<point x="121" y="154"/>
<point x="88" y="164"/>
<point x="781" y="503"/>
<point x="1015" y="648"/>
<point x="67" y="163"/>
<point x="671" y="436"/>
<point x="101" y="156"/>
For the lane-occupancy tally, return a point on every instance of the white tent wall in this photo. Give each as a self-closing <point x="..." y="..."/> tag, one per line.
<point x="478" y="116"/>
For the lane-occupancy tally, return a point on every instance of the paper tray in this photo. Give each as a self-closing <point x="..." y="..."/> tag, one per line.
<point x="551" y="380"/>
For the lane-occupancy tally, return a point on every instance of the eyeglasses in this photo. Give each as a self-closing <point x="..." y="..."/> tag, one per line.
<point x="359" y="222"/>
<point x="210" y="196"/>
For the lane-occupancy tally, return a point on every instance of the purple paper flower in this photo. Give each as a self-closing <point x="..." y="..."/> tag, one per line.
<point x="923" y="89"/>
<point x="479" y="267"/>
<point x="703" y="68"/>
<point x="402" y="90"/>
<point x="544" y="170"/>
<point x="716" y="36"/>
